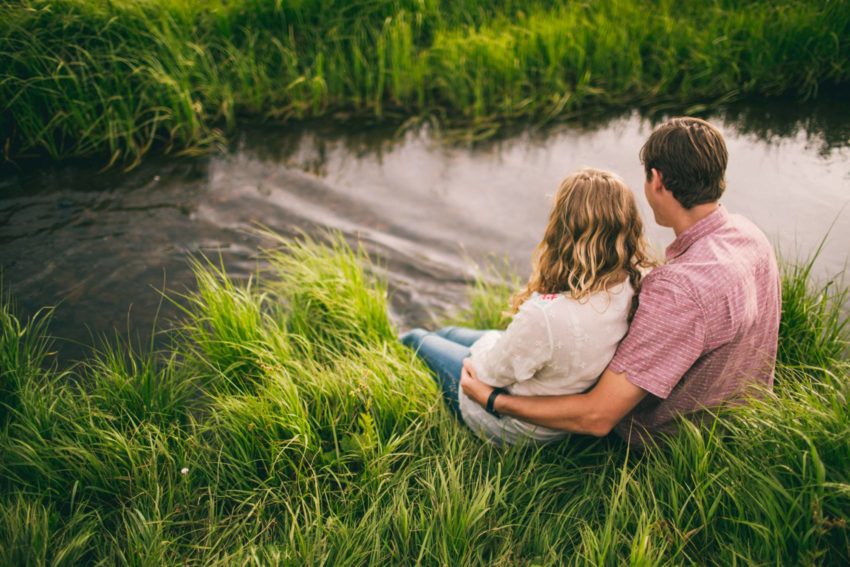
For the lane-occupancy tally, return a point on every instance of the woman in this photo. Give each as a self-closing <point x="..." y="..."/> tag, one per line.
<point x="568" y="320"/>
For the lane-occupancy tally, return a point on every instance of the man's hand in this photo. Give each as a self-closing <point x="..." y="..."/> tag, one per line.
<point x="477" y="390"/>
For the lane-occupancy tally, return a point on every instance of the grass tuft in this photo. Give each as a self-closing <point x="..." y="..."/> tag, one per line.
<point x="24" y="352"/>
<point x="814" y="323"/>
<point x="489" y="298"/>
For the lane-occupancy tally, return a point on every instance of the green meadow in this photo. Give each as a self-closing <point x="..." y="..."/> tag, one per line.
<point x="284" y="425"/>
<point x="115" y="78"/>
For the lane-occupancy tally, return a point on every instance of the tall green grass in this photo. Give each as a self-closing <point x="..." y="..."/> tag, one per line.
<point x="814" y="321"/>
<point x="114" y="78"/>
<point x="284" y="425"/>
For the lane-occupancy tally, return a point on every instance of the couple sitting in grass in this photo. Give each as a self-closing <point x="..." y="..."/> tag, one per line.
<point x="582" y="354"/>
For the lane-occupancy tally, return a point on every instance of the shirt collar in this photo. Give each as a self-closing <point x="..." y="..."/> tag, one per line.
<point x="702" y="228"/>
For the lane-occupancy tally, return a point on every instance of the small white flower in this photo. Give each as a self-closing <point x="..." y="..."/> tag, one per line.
<point x="184" y="471"/>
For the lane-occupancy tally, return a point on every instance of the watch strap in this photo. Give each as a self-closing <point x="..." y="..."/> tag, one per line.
<point x="492" y="400"/>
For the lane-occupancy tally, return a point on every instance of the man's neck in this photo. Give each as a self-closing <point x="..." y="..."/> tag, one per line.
<point x="686" y="218"/>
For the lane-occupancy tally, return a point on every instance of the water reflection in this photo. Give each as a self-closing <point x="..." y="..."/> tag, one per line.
<point x="824" y="123"/>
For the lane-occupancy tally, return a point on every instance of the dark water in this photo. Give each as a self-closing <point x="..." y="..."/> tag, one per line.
<point x="103" y="245"/>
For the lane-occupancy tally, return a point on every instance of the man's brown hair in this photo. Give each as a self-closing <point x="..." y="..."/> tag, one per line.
<point x="691" y="155"/>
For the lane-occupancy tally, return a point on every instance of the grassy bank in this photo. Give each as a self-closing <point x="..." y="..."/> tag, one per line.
<point x="285" y="425"/>
<point x="116" y="77"/>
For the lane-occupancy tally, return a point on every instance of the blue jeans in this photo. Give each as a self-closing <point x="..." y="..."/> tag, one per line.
<point x="443" y="351"/>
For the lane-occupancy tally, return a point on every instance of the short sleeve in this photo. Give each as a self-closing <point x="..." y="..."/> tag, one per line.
<point x="665" y="339"/>
<point x="522" y="349"/>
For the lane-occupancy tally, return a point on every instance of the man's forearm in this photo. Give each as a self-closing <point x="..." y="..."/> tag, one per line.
<point x="573" y="413"/>
<point x="595" y="412"/>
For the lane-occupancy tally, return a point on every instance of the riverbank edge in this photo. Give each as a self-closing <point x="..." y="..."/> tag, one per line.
<point x="116" y="79"/>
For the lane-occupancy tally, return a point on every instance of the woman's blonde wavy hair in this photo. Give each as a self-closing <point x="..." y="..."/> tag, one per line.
<point x="594" y="240"/>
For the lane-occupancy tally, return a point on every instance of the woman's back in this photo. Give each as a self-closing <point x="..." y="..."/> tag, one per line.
<point x="555" y="345"/>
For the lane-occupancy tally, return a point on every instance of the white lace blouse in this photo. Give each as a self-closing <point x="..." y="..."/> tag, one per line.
<point x="554" y="345"/>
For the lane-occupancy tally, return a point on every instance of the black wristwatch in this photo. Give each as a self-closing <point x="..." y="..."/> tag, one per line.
<point x="492" y="399"/>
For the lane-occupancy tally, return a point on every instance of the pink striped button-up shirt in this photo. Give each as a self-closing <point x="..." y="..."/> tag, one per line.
<point x="706" y="327"/>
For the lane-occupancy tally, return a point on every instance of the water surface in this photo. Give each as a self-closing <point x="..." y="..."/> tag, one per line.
<point x="103" y="245"/>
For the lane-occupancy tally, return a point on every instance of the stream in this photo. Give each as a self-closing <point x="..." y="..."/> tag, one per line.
<point x="102" y="245"/>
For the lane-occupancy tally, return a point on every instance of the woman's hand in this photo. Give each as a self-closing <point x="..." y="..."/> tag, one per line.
<point x="472" y="386"/>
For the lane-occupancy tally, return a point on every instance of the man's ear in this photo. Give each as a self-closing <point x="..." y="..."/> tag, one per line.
<point x="657" y="182"/>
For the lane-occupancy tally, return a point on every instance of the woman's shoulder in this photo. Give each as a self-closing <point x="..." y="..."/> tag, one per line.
<point x="537" y="310"/>
<point x="543" y="301"/>
<point x="534" y="307"/>
<point x="623" y="291"/>
<point x="615" y="301"/>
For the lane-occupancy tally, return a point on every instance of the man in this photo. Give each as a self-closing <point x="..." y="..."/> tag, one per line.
<point x="707" y="324"/>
